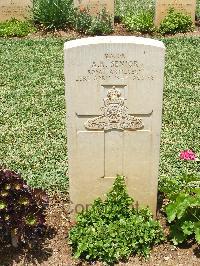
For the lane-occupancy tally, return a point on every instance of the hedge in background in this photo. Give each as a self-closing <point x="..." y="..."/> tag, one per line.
<point x="175" y="22"/>
<point x="100" y="24"/>
<point x="140" y="22"/>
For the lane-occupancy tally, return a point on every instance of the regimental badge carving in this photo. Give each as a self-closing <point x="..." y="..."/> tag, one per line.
<point x="115" y="115"/>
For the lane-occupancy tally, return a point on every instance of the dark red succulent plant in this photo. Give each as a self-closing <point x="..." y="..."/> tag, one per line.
<point x="21" y="207"/>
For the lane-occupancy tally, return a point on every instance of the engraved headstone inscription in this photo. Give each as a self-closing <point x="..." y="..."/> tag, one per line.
<point x="95" y="6"/>
<point x="185" y="6"/>
<point x="114" y="88"/>
<point x="19" y="9"/>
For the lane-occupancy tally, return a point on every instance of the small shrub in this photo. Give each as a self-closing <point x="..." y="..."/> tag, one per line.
<point x="54" y="14"/>
<point x="184" y="215"/>
<point x="101" y="24"/>
<point x="21" y="208"/>
<point x="113" y="229"/>
<point x="83" y="21"/>
<point x="183" y="209"/>
<point x="175" y="22"/>
<point x="123" y="7"/>
<point x="94" y="25"/>
<point x="140" y="22"/>
<point x="15" y="28"/>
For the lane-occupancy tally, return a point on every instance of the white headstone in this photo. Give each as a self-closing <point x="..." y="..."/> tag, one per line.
<point x="185" y="6"/>
<point x="19" y="9"/>
<point x="114" y="88"/>
<point x="95" y="6"/>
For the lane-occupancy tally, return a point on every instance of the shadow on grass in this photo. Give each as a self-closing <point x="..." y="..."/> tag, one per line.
<point x="34" y="251"/>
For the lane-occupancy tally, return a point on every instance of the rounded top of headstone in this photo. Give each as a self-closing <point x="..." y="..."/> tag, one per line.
<point x="114" y="40"/>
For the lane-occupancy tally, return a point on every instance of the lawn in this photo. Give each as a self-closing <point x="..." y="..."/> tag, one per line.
<point x="32" y="114"/>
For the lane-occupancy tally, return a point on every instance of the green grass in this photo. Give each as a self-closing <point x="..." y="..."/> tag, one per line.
<point x="32" y="113"/>
<point x="15" y="28"/>
<point x="181" y="113"/>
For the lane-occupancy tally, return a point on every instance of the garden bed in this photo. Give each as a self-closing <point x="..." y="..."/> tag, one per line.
<point x="119" y="30"/>
<point x="52" y="248"/>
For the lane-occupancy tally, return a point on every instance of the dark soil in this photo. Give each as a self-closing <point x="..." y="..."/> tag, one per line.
<point x="50" y="248"/>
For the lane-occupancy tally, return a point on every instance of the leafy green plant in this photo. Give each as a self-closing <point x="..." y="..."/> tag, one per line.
<point x="183" y="209"/>
<point x="15" y="28"/>
<point x="93" y="25"/>
<point x="101" y="24"/>
<point x="139" y="22"/>
<point x="83" y="21"/>
<point x="175" y="22"/>
<point x="184" y="215"/>
<point x="54" y="14"/>
<point x="21" y="207"/>
<point x="113" y="229"/>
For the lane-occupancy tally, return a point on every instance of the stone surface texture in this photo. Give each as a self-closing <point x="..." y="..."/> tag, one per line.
<point x="114" y="89"/>
<point x="19" y="9"/>
<point x="95" y="6"/>
<point x="162" y="7"/>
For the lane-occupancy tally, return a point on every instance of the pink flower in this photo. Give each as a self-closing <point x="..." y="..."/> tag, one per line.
<point x="188" y="155"/>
